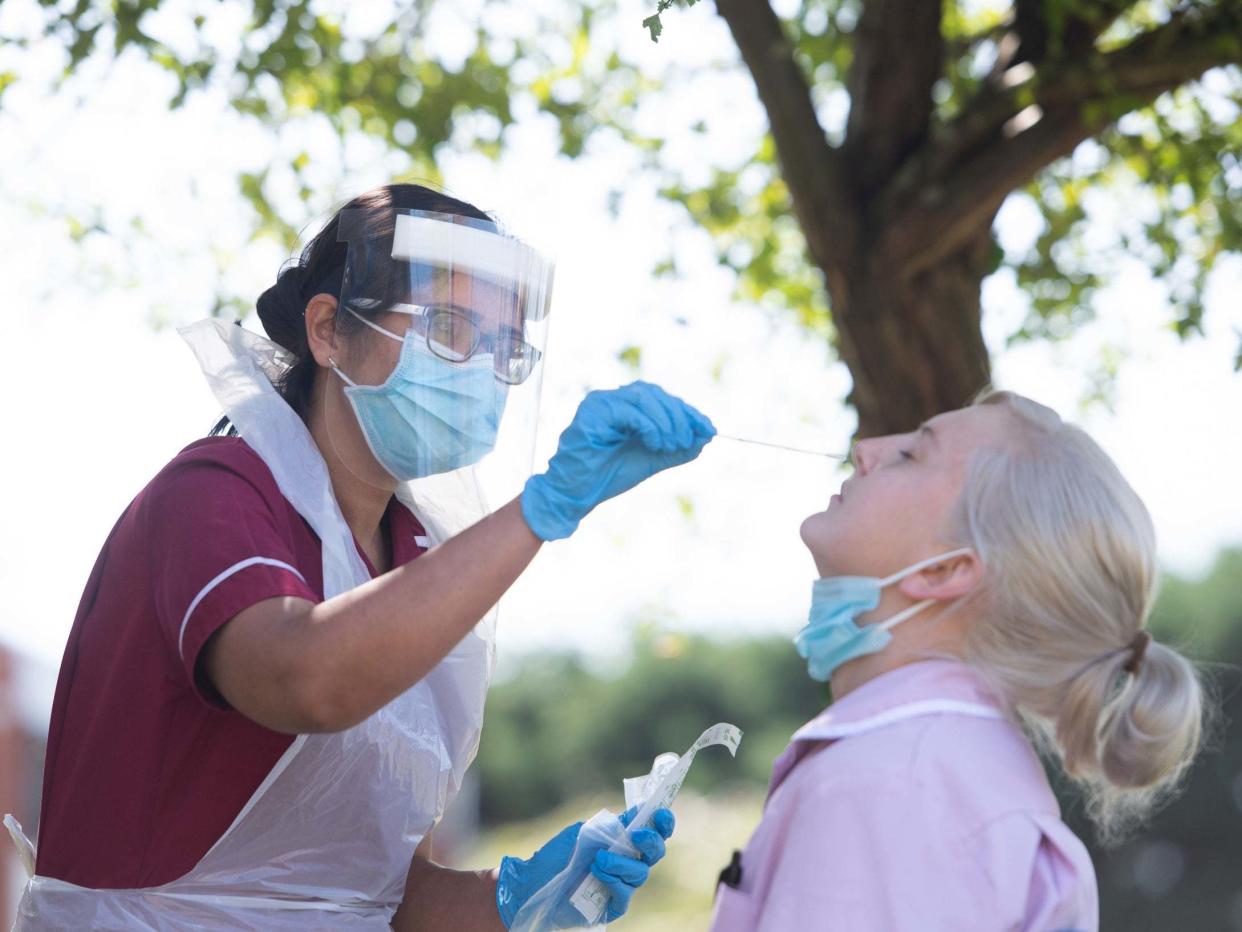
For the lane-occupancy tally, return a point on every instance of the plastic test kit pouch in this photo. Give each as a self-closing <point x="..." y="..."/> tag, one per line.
<point x="574" y="898"/>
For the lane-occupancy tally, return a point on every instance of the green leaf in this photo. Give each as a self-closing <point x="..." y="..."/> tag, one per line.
<point x="631" y="356"/>
<point x="653" y="25"/>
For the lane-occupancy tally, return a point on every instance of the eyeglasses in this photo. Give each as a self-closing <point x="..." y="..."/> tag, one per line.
<point x="454" y="337"/>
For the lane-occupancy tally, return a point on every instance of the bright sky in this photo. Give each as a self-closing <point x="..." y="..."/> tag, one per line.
<point x="101" y="392"/>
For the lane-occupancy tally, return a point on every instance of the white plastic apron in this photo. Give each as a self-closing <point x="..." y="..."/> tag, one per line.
<point x="326" y="841"/>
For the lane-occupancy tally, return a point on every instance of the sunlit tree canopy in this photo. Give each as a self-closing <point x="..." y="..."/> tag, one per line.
<point x="865" y="205"/>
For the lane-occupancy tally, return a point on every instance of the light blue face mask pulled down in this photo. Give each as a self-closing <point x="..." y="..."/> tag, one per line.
<point x="430" y="416"/>
<point x="833" y="637"/>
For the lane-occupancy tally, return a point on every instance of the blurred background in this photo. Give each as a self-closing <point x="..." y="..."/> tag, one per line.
<point x="813" y="219"/>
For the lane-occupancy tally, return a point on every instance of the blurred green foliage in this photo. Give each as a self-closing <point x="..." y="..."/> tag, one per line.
<point x="559" y="736"/>
<point x="1204" y="615"/>
<point x="558" y="729"/>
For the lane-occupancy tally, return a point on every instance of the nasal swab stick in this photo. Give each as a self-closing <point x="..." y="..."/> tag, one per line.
<point x="782" y="446"/>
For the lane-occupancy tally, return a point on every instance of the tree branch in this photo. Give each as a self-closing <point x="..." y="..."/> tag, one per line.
<point x="1057" y="81"/>
<point x="965" y="45"/>
<point x="813" y="170"/>
<point x="898" y="57"/>
<point x="1044" y="35"/>
<point x="956" y="187"/>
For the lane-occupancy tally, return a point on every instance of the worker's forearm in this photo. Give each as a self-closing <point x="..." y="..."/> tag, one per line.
<point x="439" y="898"/>
<point x="365" y="647"/>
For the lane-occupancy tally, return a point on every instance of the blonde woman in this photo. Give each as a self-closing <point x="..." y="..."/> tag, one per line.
<point x="985" y="582"/>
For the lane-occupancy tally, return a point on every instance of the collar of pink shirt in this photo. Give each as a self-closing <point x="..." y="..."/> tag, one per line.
<point x="927" y="687"/>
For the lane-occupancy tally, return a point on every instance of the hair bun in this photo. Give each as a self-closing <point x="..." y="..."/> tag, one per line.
<point x="282" y="306"/>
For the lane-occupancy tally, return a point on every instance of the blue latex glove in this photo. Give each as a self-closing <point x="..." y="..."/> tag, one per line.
<point x="519" y="880"/>
<point x="617" y="439"/>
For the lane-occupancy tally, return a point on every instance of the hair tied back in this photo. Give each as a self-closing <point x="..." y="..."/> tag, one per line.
<point x="1138" y="650"/>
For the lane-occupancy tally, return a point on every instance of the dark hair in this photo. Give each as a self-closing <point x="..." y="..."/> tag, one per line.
<point x="320" y="269"/>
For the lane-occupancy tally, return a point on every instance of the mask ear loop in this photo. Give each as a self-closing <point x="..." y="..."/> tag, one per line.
<point x="374" y="326"/>
<point x="344" y="378"/>
<point x="905" y="614"/>
<point x="917" y="607"/>
<point x="377" y="327"/>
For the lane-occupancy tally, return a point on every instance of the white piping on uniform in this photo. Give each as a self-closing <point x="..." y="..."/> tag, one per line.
<point x="822" y="731"/>
<point x="235" y="568"/>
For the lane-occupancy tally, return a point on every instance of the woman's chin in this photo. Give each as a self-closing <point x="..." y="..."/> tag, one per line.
<point x="816" y="532"/>
<point x="828" y="536"/>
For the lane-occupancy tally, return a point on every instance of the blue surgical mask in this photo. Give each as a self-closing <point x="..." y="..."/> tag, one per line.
<point x="833" y="637"/>
<point x="430" y="416"/>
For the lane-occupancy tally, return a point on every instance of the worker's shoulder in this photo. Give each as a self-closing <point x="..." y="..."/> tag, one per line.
<point x="212" y="461"/>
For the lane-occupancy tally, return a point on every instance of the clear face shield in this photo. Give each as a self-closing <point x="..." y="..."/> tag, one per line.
<point x="440" y="336"/>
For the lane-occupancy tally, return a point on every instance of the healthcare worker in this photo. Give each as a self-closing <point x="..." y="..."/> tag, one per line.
<point x="989" y="573"/>
<point x="275" y="681"/>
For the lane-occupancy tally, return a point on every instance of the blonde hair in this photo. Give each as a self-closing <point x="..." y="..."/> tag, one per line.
<point x="1069" y="558"/>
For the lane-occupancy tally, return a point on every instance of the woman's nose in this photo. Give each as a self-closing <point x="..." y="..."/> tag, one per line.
<point x="860" y="456"/>
<point x="868" y="453"/>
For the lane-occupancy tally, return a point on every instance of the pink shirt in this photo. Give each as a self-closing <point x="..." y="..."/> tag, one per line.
<point x="911" y="804"/>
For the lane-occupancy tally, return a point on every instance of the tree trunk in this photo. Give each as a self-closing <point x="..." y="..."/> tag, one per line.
<point x="899" y="216"/>
<point x="913" y="345"/>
